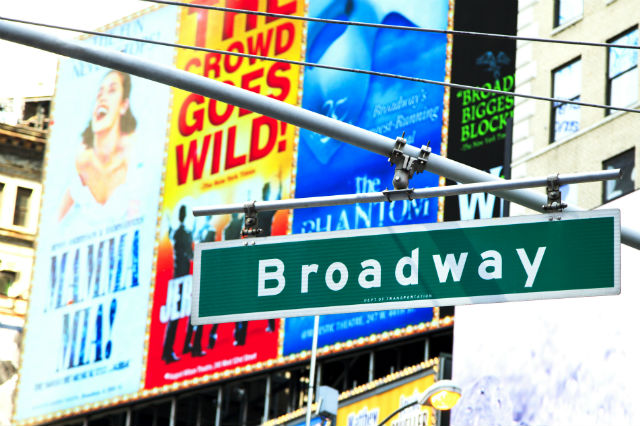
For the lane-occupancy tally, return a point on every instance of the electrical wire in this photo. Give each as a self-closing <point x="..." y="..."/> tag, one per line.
<point x="395" y="27"/>
<point x="330" y="67"/>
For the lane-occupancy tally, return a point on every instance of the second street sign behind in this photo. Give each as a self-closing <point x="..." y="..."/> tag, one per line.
<point x="453" y="263"/>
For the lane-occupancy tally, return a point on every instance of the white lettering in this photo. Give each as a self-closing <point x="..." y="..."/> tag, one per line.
<point x="187" y="284"/>
<point x="412" y="262"/>
<point x="304" y="280"/>
<point x="494" y="261"/>
<point x="263" y="276"/>
<point x="450" y="264"/>
<point x="344" y="275"/>
<point x="174" y="288"/>
<point x="531" y="268"/>
<point x="370" y="268"/>
<point x="484" y="203"/>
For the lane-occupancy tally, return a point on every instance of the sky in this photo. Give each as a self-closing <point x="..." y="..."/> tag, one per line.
<point x="31" y="72"/>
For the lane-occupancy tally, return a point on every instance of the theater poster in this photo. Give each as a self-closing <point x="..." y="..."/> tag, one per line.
<point x="87" y="314"/>
<point x="480" y="123"/>
<point x="384" y="105"/>
<point x="220" y="154"/>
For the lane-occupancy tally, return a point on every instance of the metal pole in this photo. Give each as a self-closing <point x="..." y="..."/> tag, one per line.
<point x="218" y="406"/>
<point x="172" y="413"/>
<point x="372" y="365"/>
<point x="318" y="377"/>
<point x="312" y="372"/>
<point x="374" y="197"/>
<point x="267" y="399"/>
<point x="270" y="107"/>
<point x="426" y="349"/>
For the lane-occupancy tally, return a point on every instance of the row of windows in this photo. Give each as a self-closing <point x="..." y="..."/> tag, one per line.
<point x="21" y="209"/>
<point x="622" y="85"/>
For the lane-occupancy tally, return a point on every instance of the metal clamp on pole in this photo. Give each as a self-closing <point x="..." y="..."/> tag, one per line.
<point x="398" y="194"/>
<point x="250" y="220"/>
<point x="554" y="197"/>
<point x="406" y="165"/>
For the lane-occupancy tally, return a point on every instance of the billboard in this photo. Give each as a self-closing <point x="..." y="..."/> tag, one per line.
<point x="383" y="105"/>
<point x="113" y="275"/>
<point x="373" y="409"/>
<point x="96" y="241"/>
<point x="220" y="154"/>
<point x="332" y="329"/>
<point x="480" y="122"/>
<point x="553" y="362"/>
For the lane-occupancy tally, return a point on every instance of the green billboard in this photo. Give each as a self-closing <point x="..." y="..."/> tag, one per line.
<point x="544" y="256"/>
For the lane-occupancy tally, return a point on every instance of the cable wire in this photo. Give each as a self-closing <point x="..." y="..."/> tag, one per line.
<point x="395" y="27"/>
<point x="330" y="67"/>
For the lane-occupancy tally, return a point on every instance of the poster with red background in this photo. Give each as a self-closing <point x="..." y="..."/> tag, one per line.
<point x="221" y="154"/>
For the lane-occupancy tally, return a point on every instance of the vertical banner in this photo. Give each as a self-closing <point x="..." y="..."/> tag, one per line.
<point x="220" y="154"/>
<point x="87" y="315"/>
<point x="383" y="105"/>
<point x="479" y="122"/>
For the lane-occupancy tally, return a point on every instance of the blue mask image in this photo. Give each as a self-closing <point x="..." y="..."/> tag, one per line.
<point x="383" y="105"/>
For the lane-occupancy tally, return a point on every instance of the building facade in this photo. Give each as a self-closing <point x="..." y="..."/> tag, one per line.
<point x="555" y="137"/>
<point x="21" y="156"/>
<point x="540" y="362"/>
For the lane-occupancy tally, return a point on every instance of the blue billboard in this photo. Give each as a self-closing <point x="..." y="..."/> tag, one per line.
<point x="384" y="105"/>
<point x="298" y="332"/>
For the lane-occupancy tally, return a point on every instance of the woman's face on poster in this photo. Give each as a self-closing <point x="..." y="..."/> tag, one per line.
<point x="110" y="104"/>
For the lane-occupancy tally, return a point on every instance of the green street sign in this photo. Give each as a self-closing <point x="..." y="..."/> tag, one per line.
<point x="545" y="256"/>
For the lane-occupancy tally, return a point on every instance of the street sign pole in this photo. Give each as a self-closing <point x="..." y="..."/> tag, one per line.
<point x="312" y="373"/>
<point x="411" y="194"/>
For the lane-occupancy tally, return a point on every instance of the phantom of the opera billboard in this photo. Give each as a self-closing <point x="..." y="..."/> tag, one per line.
<point x="128" y="159"/>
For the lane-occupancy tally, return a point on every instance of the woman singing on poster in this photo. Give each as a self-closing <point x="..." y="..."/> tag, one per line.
<point x="103" y="164"/>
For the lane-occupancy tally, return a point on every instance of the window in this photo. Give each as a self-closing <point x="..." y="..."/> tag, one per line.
<point x="622" y="76"/>
<point x="23" y="195"/>
<point x="7" y="278"/>
<point x="619" y="187"/>
<point x="566" y="11"/>
<point x="565" y="118"/>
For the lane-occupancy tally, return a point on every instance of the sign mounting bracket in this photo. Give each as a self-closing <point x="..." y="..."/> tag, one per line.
<point x="554" y="196"/>
<point x="250" y="228"/>
<point x="407" y="165"/>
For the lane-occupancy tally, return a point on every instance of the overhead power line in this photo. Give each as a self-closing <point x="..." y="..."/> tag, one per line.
<point x="395" y="27"/>
<point x="330" y="67"/>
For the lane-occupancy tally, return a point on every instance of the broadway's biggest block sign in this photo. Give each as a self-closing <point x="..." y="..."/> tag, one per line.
<point x="494" y="260"/>
<point x="221" y="154"/>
